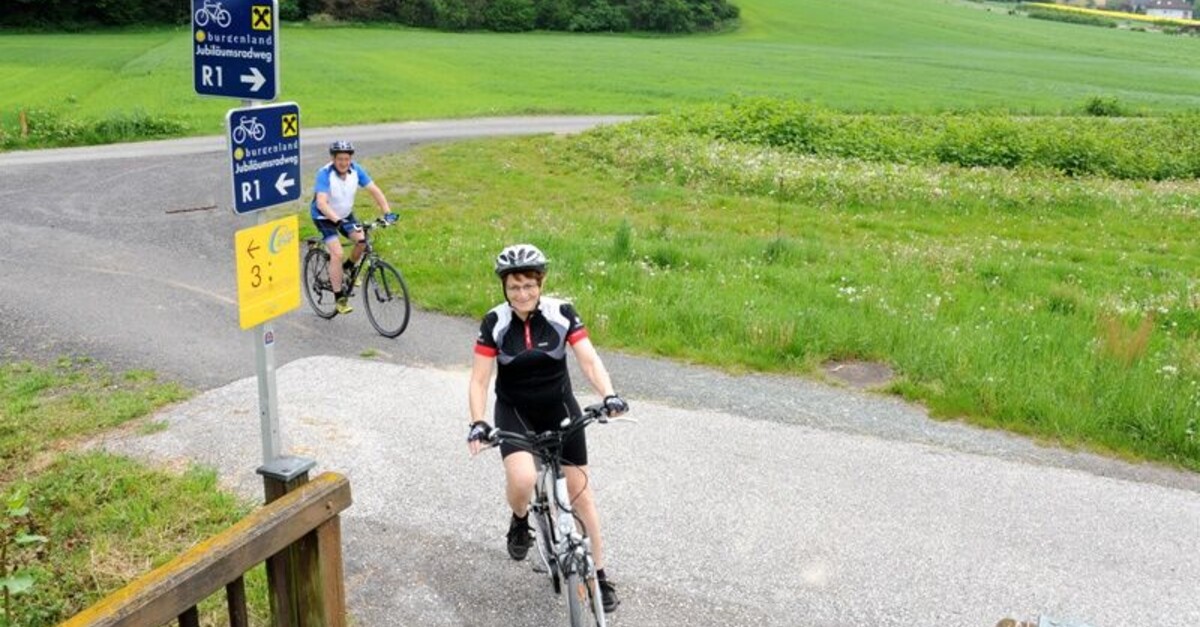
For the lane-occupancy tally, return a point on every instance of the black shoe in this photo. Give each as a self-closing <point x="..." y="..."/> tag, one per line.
<point x="520" y="537"/>
<point x="608" y="596"/>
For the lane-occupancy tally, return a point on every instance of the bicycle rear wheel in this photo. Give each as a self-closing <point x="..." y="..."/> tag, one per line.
<point x="386" y="298"/>
<point x="317" y="289"/>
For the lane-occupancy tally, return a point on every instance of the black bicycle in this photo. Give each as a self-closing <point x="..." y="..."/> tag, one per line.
<point x="566" y="553"/>
<point x="385" y="295"/>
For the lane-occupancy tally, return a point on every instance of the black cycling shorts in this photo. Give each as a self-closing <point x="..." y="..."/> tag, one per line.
<point x="539" y="419"/>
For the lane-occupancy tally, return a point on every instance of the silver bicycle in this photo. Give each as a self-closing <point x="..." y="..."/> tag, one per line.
<point x="563" y="545"/>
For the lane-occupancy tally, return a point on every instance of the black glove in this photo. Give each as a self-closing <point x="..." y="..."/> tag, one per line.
<point x="615" y="405"/>
<point x="480" y="432"/>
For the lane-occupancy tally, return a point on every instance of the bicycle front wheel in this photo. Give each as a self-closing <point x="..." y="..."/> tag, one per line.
<point x="386" y="298"/>
<point x="582" y="594"/>
<point x="317" y="289"/>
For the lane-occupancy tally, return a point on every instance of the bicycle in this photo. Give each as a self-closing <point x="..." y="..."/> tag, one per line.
<point x="215" y="12"/>
<point x="385" y="295"/>
<point x="247" y="128"/>
<point x="566" y="554"/>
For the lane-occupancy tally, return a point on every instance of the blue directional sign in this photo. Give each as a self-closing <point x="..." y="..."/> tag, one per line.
<point x="264" y="148"/>
<point x="235" y="46"/>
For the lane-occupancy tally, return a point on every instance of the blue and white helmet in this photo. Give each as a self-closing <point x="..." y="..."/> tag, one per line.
<point x="520" y="258"/>
<point x="341" y="145"/>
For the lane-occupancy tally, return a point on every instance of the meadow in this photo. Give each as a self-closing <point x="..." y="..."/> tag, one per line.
<point x="1062" y="307"/>
<point x="858" y="55"/>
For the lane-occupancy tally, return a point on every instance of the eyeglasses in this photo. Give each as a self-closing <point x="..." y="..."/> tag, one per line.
<point x="526" y="287"/>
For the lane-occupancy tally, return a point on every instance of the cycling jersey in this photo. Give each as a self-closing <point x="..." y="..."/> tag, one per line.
<point x="340" y="190"/>
<point x="531" y="355"/>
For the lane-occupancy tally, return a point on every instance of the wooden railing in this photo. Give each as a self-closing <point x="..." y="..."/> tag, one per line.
<point x="298" y="535"/>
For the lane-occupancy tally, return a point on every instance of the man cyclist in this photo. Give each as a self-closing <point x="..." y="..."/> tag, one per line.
<point x="333" y="211"/>
<point x="525" y="339"/>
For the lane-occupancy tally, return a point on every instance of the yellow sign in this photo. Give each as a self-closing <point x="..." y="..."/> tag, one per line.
<point x="268" y="270"/>
<point x="291" y="125"/>
<point x="260" y="17"/>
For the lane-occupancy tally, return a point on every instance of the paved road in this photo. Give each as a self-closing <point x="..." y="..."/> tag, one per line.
<point x="780" y="525"/>
<point x="817" y="505"/>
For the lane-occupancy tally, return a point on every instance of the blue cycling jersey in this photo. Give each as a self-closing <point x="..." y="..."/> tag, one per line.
<point x="340" y="189"/>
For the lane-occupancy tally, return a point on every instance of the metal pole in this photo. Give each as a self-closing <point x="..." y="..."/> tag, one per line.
<point x="264" y="363"/>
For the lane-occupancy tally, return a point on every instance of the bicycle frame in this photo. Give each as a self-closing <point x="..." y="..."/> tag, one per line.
<point x="570" y="550"/>
<point x="369" y="257"/>
<point x="384" y="293"/>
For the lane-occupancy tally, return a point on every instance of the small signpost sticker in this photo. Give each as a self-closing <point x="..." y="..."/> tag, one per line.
<point x="264" y="147"/>
<point x="235" y="48"/>
<point x="268" y="271"/>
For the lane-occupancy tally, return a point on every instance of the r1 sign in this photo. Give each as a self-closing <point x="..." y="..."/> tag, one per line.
<point x="235" y="48"/>
<point x="264" y="150"/>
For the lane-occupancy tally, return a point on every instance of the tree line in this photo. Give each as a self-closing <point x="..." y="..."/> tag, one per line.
<point x="664" y="16"/>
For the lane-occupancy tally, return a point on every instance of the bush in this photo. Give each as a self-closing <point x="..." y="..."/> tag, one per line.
<point x="555" y="14"/>
<point x="1054" y="15"/>
<point x="290" y="11"/>
<point x="599" y="16"/>
<point x="672" y="16"/>
<point x="71" y="14"/>
<point x="510" y="15"/>
<point x="665" y="16"/>
<point x="1130" y="148"/>
<point x="456" y="15"/>
<point x="51" y="128"/>
<point x="1101" y="106"/>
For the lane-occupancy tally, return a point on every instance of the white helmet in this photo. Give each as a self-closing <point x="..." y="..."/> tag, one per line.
<point x="520" y="258"/>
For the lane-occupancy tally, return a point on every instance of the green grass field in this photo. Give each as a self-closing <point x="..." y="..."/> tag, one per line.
<point x="1064" y="308"/>
<point x="915" y="56"/>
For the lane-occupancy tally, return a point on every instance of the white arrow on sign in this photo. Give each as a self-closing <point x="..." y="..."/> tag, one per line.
<point x="283" y="184"/>
<point x="255" y="78"/>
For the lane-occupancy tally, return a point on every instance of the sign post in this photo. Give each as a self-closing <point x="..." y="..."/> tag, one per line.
<point x="235" y="54"/>
<point x="235" y="48"/>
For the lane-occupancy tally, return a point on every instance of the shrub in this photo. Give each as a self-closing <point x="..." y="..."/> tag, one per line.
<point x="50" y="128"/>
<point x="554" y="14"/>
<point x="510" y="15"/>
<point x="1101" y="106"/>
<point x="1131" y="148"/>
<point x="1040" y="13"/>
<point x="667" y="16"/>
<point x="599" y="16"/>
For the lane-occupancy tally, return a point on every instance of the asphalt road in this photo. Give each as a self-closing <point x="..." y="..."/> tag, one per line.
<point x="739" y="500"/>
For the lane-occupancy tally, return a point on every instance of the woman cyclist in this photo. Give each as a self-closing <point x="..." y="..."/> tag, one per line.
<point x="525" y="340"/>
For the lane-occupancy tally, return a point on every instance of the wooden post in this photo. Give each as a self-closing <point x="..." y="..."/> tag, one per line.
<point x="190" y="618"/>
<point x="333" y="589"/>
<point x="24" y="124"/>
<point x="235" y="597"/>
<point x="284" y="575"/>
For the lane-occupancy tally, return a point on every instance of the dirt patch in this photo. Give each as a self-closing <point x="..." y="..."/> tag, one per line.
<point x="861" y="375"/>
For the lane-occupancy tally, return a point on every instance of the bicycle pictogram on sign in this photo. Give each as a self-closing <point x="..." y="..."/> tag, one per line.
<point x="247" y="128"/>
<point x="212" y="10"/>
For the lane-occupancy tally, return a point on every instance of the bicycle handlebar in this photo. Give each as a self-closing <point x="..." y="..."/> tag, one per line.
<point x="538" y="443"/>
<point x="381" y="223"/>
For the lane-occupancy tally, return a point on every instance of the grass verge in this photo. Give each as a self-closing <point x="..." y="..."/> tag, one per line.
<point x="107" y="519"/>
